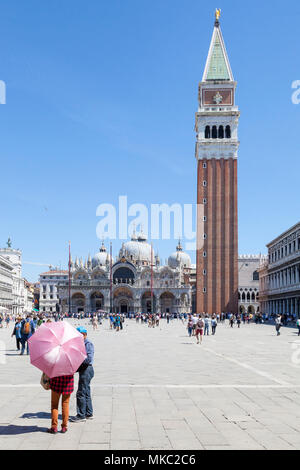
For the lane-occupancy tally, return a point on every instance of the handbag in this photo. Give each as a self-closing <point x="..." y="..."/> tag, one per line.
<point x="45" y="381"/>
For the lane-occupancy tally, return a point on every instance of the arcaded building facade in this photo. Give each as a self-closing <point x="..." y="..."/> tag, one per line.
<point x="248" y="295"/>
<point x="280" y="275"/>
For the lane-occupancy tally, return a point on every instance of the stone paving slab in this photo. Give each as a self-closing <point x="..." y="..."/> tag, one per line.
<point x="157" y="389"/>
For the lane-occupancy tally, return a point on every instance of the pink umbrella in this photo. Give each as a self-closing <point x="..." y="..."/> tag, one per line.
<point x="57" y="349"/>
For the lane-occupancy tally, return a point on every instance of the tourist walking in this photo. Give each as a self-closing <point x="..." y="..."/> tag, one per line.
<point x="214" y="324"/>
<point x="206" y="325"/>
<point x="17" y="332"/>
<point x="298" y="326"/>
<point x="190" y="326"/>
<point x="95" y="323"/>
<point x="7" y="320"/>
<point x="60" y="387"/>
<point x="278" y="324"/>
<point x="117" y="322"/>
<point x="199" y="329"/>
<point x="27" y="330"/>
<point x="86" y="373"/>
<point x="194" y="319"/>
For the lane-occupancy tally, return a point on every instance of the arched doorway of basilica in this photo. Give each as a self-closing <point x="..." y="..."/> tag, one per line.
<point x="97" y="301"/>
<point x="146" y="302"/>
<point x="78" y="302"/>
<point x="167" y="302"/>
<point x="123" y="300"/>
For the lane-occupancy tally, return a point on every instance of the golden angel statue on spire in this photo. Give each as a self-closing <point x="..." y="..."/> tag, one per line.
<point x="218" y="14"/>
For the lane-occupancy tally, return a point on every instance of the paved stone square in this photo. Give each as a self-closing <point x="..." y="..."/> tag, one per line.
<point x="158" y="389"/>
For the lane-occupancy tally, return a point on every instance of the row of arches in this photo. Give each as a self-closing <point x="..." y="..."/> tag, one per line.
<point x="123" y="301"/>
<point x="250" y="309"/>
<point x="248" y="297"/>
<point x="125" y="274"/>
<point x="214" y="132"/>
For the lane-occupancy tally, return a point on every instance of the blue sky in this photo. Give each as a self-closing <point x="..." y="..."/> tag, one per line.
<point x="101" y="102"/>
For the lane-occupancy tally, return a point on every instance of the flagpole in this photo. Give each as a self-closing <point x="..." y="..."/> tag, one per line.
<point x="111" y="304"/>
<point x="69" y="278"/>
<point x="151" y="279"/>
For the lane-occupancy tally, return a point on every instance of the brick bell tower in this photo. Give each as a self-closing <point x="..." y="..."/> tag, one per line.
<point x="216" y="153"/>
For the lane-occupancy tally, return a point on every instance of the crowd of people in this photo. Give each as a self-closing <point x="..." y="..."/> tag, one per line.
<point x="61" y="387"/>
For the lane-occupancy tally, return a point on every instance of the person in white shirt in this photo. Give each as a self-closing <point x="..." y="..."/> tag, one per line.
<point x="195" y="319"/>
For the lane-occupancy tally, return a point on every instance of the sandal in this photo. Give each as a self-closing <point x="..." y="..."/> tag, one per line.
<point x="52" y="430"/>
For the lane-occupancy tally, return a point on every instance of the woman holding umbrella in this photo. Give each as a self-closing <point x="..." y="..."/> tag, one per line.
<point x="58" y="350"/>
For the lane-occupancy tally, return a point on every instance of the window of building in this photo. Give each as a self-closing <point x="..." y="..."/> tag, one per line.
<point x="204" y="254"/>
<point x="204" y="290"/>
<point x="204" y="183"/>
<point x="221" y="132"/>
<point x="204" y="201"/>
<point x="256" y="276"/>
<point x="207" y="132"/>
<point x="228" y="132"/>
<point x="204" y="165"/>
<point x="214" y="132"/>
<point x="204" y="218"/>
<point x="204" y="272"/>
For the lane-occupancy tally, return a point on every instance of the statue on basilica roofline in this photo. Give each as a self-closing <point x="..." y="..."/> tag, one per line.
<point x="8" y="242"/>
<point x="218" y="14"/>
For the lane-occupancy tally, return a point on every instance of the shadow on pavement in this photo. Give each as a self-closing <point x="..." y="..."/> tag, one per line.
<point x="16" y="354"/>
<point x="39" y="415"/>
<point x="13" y="430"/>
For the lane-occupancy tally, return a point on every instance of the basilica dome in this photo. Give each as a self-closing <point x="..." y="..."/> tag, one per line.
<point x="101" y="258"/>
<point x="137" y="248"/>
<point x="179" y="257"/>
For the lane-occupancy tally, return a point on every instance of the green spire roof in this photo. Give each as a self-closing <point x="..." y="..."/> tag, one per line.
<point x="217" y="64"/>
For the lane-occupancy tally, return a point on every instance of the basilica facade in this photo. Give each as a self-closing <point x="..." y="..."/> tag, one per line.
<point x="134" y="282"/>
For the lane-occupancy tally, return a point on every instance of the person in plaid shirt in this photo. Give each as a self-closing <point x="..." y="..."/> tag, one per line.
<point x="60" y="387"/>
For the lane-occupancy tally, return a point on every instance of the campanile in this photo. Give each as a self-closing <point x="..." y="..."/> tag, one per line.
<point x="216" y="153"/>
